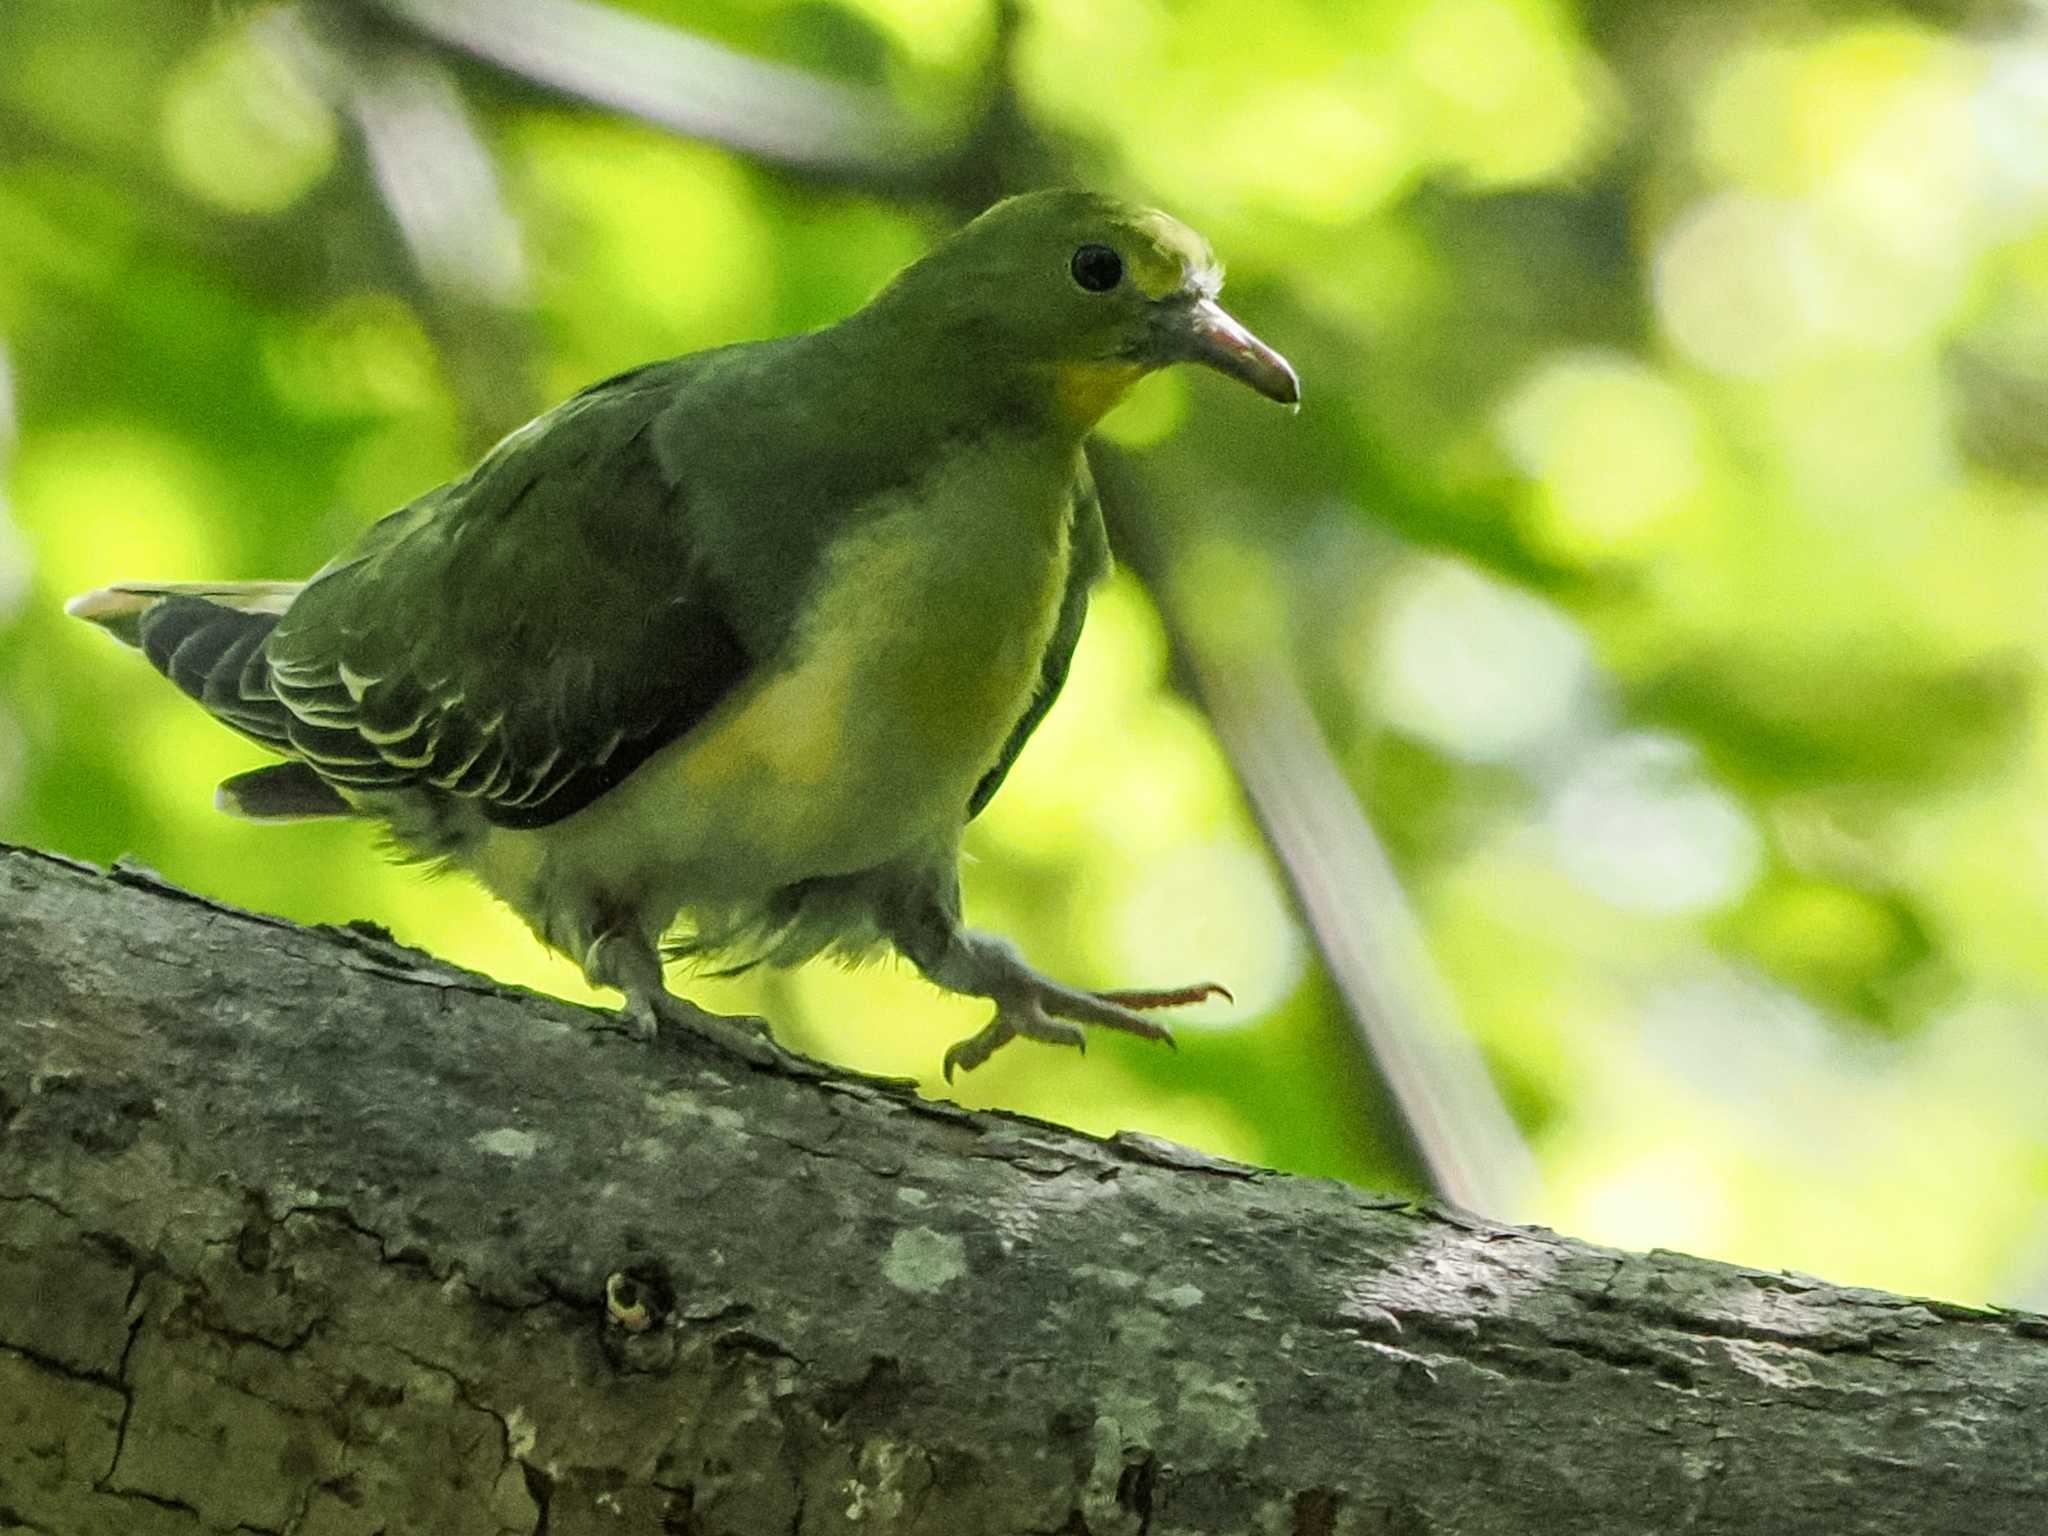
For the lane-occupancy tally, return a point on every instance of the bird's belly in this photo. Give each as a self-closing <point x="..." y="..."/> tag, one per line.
<point x="918" y="659"/>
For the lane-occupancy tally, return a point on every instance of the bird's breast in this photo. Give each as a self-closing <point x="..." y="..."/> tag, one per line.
<point x="919" y="649"/>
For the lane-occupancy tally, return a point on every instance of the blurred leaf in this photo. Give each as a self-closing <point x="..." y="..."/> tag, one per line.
<point x="1779" y="722"/>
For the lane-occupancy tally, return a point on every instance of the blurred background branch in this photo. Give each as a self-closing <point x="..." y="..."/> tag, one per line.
<point x="435" y="177"/>
<point x="661" y="74"/>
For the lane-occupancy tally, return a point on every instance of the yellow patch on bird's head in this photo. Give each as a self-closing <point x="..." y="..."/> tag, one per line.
<point x="1164" y="257"/>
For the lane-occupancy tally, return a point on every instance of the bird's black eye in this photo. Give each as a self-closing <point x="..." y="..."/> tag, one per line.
<point x="1097" y="268"/>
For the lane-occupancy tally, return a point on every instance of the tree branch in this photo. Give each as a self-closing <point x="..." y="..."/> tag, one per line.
<point x="303" y="1231"/>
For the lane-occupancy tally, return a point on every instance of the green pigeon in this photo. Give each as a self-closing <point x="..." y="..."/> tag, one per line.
<point x="721" y="655"/>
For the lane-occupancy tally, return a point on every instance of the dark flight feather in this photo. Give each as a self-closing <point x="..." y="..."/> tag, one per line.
<point x="1087" y="563"/>
<point x="530" y="697"/>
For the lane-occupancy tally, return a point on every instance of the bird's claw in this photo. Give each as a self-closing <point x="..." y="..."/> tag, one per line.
<point x="1170" y="997"/>
<point x="1054" y="1014"/>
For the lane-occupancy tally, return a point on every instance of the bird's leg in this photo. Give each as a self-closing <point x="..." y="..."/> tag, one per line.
<point x="1035" y="1006"/>
<point x="625" y="960"/>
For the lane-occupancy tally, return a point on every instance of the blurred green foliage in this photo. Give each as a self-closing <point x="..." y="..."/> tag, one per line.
<point x="1664" y="550"/>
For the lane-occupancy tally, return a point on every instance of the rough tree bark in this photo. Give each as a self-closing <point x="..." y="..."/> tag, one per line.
<point x="304" y="1232"/>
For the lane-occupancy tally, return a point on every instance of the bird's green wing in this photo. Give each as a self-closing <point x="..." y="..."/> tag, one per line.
<point x="523" y="638"/>
<point x="1087" y="563"/>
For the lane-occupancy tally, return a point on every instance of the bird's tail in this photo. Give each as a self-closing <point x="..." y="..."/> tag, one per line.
<point x="121" y="609"/>
<point x="207" y="637"/>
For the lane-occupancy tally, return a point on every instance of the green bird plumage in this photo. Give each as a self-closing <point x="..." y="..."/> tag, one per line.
<point x="725" y="652"/>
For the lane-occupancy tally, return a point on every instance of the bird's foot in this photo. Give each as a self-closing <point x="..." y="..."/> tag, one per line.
<point x="619" y="958"/>
<point x="1040" y="1009"/>
<point x="650" y="1015"/>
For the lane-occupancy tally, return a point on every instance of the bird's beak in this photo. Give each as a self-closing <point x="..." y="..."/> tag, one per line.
<point x="1211" y="337"/>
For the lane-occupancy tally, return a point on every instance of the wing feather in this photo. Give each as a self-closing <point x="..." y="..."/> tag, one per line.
<point x="523" y="638"/>
<point x="1087" y="563"/>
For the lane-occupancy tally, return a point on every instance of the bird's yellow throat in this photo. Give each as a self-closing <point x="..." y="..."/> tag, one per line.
<point x="1086" y="392"/>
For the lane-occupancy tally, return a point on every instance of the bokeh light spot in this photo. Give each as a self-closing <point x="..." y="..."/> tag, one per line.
<point x="1738" y="285"/>
<point x="1639" y="826"/>
<point x="242" y="127"/>
<point x="1205" y="912"/>
<point x="112" y="495"/>
<point x="1516" y="98"/>
<point x="1473" y="667"/>
<point x="1349" y="147"/>
<point x="1614" y="446"/>
<point x="932" y="32"/>
<point x="365" y="354"/>
<point x="646" y="245"/>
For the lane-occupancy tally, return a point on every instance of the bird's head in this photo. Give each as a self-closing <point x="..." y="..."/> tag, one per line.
<point x="1086" y="295"/>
